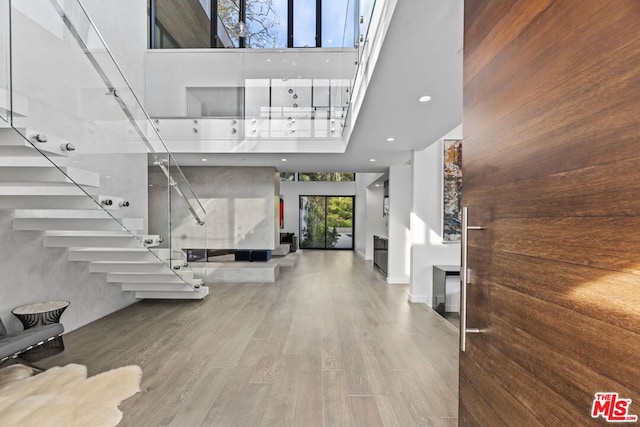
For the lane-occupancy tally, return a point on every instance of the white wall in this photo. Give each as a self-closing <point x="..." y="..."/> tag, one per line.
<point x="363" y="243"/>
<point x="400" y="194"/>
<point x="241" y="205"/>
<point x="123" y="25"/>
<point x="31" y="272"/>
<point x="426" y="221"/>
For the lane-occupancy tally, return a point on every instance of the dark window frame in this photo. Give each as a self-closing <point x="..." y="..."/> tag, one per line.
<point x="214" y="40"/>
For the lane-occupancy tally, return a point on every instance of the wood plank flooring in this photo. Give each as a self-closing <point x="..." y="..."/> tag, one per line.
<point x="329" y="344"/>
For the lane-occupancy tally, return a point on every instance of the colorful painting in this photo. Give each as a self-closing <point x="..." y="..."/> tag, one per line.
<point x="452" y="191"/>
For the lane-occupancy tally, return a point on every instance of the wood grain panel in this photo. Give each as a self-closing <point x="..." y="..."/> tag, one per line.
<point x="591" y="242"/>
<point x="493" y="155"/>
<point x="572" y="335"/>
<point x="186" y="22"/>
<point x="524" y="387"/>
<point x="551" y="161"/>
<point x="569" y="379"/>
<point x="613" y="295"/>
<point x="510" y="25"/>
<point x="492" y="12"/>
<point x="593" y="191"/>
<point x="532" y="64"/>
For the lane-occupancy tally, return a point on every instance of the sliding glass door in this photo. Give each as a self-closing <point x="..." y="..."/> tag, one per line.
<point x="326" y="222"/>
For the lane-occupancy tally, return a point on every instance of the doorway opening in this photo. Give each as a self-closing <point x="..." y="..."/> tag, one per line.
<point x="327" y="222"/>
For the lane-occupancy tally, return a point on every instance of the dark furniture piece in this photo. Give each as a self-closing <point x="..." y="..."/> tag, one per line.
<point x="41" y="315"/>
<point x="381" y="254"/>
<point x="204" y="255"/>
<point x="243" y="255"/>
<point x="440" y="273"/>
<point x="14" y="345"/>
<point x="253" y="255"/>
<point x="291" y="239"/>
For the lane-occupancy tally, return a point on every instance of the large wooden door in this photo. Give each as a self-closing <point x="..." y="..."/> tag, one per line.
<point x="551" y="170"/>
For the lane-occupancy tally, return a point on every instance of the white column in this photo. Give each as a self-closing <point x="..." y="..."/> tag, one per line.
<point x="427" y="248"/>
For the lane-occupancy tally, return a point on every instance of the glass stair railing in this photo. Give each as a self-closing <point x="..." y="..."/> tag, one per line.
<point x="76" y="146"/>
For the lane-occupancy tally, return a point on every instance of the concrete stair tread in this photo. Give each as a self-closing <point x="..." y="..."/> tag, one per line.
<point x="40" y="189"/>
<point x="198" y="293"/>
<point x="99" y="249"/>
<point x="50" y="174"/>
<point x="13" y="143"/>
<point x="148" y="266"/>
<point x="160" y="277"/>
<point x="29" y="161"/>
<point x="154" y="287"/>
<point x="87" y="233"/>
<point x="63" y="213"/>
<point x="158" y="262"/>
<point x="107" y="223"/>
<point x="12" y="202"/>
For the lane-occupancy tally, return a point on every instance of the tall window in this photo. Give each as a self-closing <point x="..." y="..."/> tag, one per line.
<point x="252" y="23"/>
<point x="326" y="222"/>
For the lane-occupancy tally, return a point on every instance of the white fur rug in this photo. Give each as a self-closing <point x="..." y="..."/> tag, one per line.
<point x="64" y="396"/>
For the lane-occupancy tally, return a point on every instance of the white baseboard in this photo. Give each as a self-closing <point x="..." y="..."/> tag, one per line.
<point x="403" y="280"/>
<point x="424" y="299"/>
<point x="360" y="254"/>
<point x="452" y="308"/>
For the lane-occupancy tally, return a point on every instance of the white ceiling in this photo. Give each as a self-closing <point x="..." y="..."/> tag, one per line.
<point x="421" y="55"/>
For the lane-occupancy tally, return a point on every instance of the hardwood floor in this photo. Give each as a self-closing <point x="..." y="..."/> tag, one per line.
<point x="329" y="344"/>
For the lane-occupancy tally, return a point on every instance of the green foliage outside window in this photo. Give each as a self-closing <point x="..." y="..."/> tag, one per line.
<point x="324" y="216"/>
<point x="327" y="176"/>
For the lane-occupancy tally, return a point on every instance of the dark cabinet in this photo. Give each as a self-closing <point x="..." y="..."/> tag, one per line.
<point x="381" y="254"/>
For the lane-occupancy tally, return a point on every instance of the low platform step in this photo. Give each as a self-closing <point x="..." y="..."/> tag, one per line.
<point x="281" y="249"/>
<point x="198" y="293"/>
<point x="110" y="254"/>
<point x="252" y="272"/>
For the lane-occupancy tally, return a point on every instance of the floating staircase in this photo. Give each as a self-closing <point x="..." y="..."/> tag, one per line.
<point x="47" y="198"/>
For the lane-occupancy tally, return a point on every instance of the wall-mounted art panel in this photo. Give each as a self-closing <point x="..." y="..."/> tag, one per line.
<point x="451" y="190"/>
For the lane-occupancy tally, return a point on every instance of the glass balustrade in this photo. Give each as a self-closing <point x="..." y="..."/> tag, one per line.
<point x="4" y="63"/>
<point x="254" y="97"/>
<point x="72" y="102"/>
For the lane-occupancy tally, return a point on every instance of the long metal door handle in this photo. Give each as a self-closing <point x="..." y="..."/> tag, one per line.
<point x="465" y="227"/>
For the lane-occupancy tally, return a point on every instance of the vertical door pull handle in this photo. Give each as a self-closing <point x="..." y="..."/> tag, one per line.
<point x="464" y="279"/>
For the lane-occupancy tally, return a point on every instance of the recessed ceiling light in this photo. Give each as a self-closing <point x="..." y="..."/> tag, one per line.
<point x="283" y="160"/>
<point x="391" y="139"/>
<point x="372" y="160"/>
<point x="268" y="60"/>
<point x="377" y="185"/>
<point x="203" y="160"/>
<point x="328" y="60"/>
<point x="424" y="98"/>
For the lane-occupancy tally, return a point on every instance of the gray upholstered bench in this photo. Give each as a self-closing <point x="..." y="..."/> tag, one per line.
<point x="11" y="345"/>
